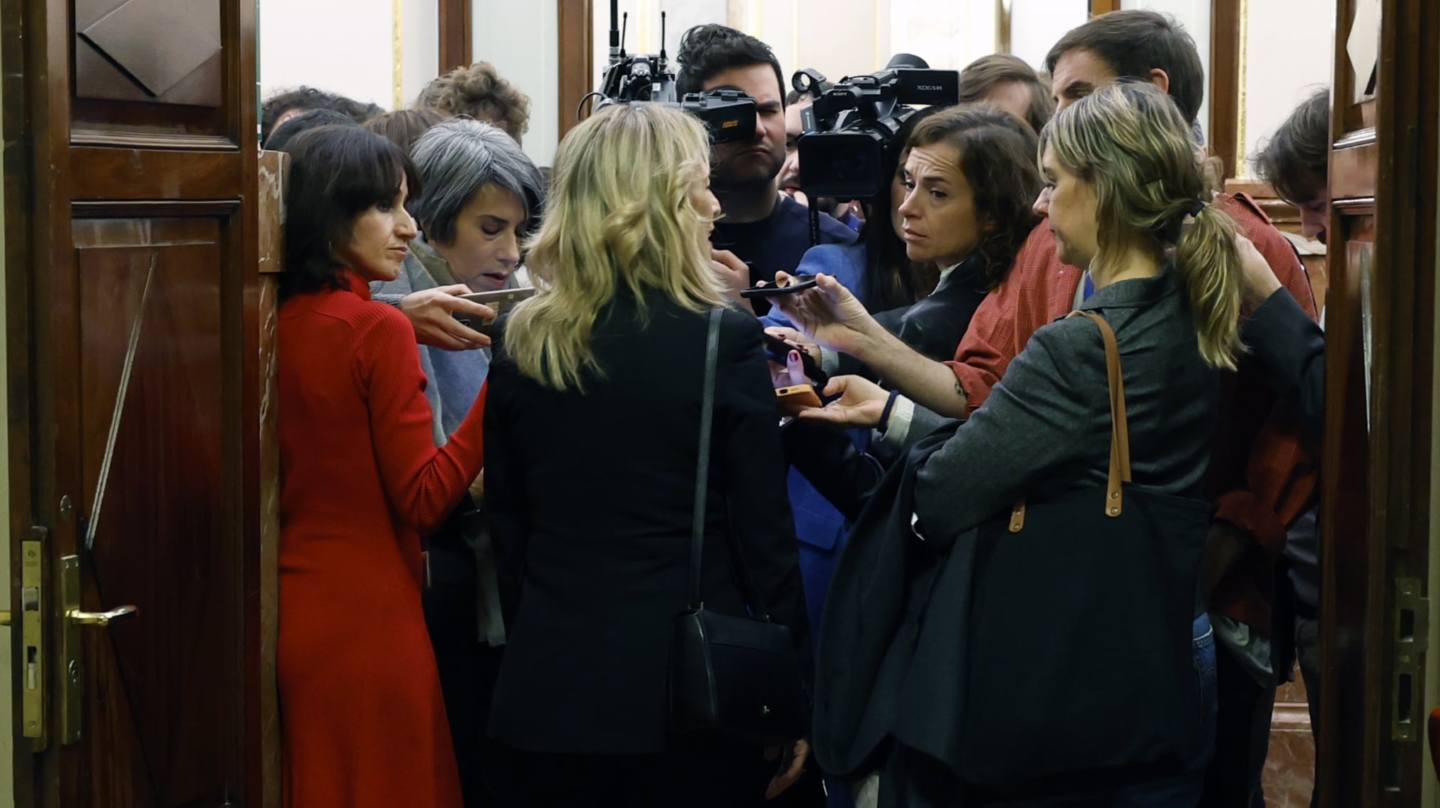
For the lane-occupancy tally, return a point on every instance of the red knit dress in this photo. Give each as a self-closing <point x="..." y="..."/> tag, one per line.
<point x="361" y="480"/>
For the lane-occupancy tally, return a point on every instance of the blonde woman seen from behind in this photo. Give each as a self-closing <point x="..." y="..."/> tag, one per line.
<point x="595" y="398"/>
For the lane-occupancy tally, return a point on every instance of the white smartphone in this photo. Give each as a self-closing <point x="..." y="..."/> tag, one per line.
<point x="501" y="301"/>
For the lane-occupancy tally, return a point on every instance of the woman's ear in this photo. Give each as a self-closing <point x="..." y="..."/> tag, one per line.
<point x="1160" y="79"/>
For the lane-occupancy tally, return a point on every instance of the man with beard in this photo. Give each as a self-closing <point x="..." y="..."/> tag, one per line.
<point x="766" y="229"/>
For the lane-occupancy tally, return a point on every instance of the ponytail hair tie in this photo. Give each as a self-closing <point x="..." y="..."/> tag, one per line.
<point x="1195" y="211"/>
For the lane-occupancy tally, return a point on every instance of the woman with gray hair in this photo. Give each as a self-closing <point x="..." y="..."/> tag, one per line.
<point x="482" y="196"/>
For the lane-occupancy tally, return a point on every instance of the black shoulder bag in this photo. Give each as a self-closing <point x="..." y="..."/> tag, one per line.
<point x="730" y="676"/>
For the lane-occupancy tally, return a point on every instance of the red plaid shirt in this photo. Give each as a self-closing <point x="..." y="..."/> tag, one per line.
<point x="1261" y="478"/>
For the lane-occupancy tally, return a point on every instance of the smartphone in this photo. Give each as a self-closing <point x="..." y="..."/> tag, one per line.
<point x="776" y="291"/>
<point x="777" y="349"/>
<point x="501" y="301"/>
<point x="792" y="400"/>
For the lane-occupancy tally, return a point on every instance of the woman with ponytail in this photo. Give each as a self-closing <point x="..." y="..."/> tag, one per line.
<point x="1126" y="201"/>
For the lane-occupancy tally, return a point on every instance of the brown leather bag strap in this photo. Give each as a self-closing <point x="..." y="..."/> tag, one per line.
<point x="1119" y="423"/>
<point x="1119" y="428"/>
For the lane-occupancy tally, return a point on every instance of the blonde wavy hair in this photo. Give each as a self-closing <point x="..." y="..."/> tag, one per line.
<point x="621" y="215"/>
<point x="1131" y="143"/>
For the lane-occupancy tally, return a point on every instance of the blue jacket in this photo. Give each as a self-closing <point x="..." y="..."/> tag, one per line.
<point x="821" y="528"/>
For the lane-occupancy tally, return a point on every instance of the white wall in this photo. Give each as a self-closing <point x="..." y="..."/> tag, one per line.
<point x="1195" y="16"/>
<point x="342" y="46"/>
<point x="522" y="40"/>
<point x="348" y="47"/>
<point x="1288" y="55"/>
<point x="1036" y="25"/>
<point x="420" y="33"/>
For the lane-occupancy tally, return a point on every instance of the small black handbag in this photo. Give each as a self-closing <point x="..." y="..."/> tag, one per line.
<point x="1080" y="655"/>
<point x="730" y="676"/>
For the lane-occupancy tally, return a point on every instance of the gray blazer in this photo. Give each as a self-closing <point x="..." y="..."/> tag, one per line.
<point x="1045" y="430"/>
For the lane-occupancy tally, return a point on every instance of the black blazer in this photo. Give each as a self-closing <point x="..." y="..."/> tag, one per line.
<point x="1291" y="349"/>
<point x="590" y="499"/>
<point x="933" y="326"/>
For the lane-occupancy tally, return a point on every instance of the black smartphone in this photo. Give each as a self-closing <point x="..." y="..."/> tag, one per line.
<point x="778" y="349"/>
<point x="776" y="291"/>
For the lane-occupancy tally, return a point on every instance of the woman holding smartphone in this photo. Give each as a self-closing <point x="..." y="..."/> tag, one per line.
<point x="591" y="432"/>
<point x="482" y="198"/>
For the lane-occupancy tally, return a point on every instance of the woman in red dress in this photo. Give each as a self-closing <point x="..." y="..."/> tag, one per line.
<point x="361" y="482"/>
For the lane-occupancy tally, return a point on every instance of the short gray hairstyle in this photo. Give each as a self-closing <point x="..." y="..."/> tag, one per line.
<point x="458" y="157"/>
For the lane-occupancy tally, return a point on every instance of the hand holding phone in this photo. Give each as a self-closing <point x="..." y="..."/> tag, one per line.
<point x="500" y="301"/>
<point x="778" y="351"/>
<point x="440" y="315"/>
<point x="796" y="399"/>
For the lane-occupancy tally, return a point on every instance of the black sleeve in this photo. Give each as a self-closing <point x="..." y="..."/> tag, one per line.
<point x="505" y="507"/>
<point x="827" y="457"/>
<point x="747" y="438"/>
<point x="1290" y="347"/>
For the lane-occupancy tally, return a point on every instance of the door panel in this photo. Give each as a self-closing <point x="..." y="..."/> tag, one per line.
<point x="151" y="406"/>
<point x="1377" y="516"/>
<point x="143" y="368"/>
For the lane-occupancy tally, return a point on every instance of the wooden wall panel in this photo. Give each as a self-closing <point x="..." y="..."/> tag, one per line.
<point x="456" y="49"/>
<point x="1224" y="90"/>
<point x="576" y="58"/>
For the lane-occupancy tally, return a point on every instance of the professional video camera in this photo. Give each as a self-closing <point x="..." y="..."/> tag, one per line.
<point x="851" y="124"/>
<point x="728" y="115"/>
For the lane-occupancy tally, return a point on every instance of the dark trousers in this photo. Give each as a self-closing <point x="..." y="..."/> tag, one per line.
<point x="467" y="681"/>
<point x="1242" y="737"/>
<point x="711" y="775"/>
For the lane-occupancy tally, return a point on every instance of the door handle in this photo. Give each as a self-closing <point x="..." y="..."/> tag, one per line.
<point x="71" y="651"/>
<point x="79" y="618"/>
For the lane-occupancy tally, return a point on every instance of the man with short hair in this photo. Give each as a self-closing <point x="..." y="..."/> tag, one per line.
<point x="1296" y="163"/>
<point x="1010" y="84"/>
<point x="285" y="105"/>
<point x="765" y="228"/>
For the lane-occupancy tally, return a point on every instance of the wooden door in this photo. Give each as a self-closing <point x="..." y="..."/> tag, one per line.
<point x="1380" y="323"/>
<point x="138" y="355"/>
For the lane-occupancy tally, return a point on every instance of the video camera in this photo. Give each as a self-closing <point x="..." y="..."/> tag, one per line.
<point x="852" y="124"/>
<point x="728" y="115"/>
